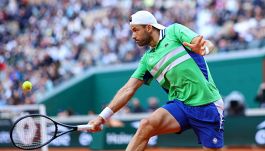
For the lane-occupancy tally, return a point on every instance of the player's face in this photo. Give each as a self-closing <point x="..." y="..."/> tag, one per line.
<point x="140" y="34"/>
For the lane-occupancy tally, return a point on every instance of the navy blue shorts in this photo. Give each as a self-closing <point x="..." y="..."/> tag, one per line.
<point x="206" y="121"/>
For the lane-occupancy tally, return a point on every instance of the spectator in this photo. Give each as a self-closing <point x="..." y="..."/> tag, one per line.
<point x="43" y="40"/>
<point x="152" y="104"/>
<point x="65" y="113"/>
<point x="260" y="97"/>
<point x="136" y="106"/>
<point x="235" y="104"/>
<point x="124" y="111"/>
<point x="2" y="96"/>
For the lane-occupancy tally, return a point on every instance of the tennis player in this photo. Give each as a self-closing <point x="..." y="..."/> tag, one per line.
<point x="175" y="59"/>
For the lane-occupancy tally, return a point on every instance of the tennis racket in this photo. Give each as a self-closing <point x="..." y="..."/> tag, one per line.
<point x="27" y="131"/>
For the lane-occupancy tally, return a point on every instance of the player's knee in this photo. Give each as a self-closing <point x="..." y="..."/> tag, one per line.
<point x="146" y="128"/>
<point x="144" y="123"/>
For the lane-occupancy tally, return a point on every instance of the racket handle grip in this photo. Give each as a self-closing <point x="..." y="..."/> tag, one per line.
<point x="86" y="127"/>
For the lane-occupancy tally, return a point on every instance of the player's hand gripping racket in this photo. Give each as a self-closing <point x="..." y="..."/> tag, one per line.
<point x="26" y="132"/>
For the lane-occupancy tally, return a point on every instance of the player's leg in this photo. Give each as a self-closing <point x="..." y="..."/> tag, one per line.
<point x="159" y="122"/>
<point x="208" y="125"/>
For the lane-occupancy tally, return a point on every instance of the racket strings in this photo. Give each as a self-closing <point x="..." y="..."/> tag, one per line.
<point x="29" y="132"/>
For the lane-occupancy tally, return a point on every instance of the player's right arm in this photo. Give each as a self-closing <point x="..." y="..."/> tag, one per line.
<point x="125" y="94"/>
<point x="120" y="99"/>
<point x="140" y="76"/>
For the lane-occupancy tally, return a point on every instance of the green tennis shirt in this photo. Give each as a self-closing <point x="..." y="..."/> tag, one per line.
<point x="183" y="74"/>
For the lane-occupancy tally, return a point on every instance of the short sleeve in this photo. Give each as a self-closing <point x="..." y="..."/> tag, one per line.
<point x="184" y="34"/>
<point x="142" y="73"/>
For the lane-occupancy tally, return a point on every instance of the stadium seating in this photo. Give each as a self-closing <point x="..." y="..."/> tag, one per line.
<point x="50" y="41"/>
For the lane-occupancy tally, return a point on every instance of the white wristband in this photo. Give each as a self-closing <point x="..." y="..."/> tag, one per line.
<point x="206" y="50"/>
<point x="106" y="113"/>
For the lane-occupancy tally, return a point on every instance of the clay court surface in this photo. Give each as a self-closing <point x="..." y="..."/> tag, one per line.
<point x="151" y="149"/>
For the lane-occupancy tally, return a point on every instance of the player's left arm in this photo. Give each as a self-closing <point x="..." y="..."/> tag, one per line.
<point x="192" y="40"/>
<point x="200" y="45"/>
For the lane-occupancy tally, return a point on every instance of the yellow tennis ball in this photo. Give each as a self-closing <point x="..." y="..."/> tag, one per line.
<point x="26" y="86"/>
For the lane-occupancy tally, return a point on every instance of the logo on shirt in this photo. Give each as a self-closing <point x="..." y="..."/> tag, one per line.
<point x="150" y="59"/>
<point x="166" y="44"/>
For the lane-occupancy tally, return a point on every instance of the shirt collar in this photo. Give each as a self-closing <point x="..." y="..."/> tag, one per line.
<point x="162" y="34"/>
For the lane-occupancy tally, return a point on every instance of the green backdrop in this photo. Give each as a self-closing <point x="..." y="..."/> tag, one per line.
<point x="97" y="87"/>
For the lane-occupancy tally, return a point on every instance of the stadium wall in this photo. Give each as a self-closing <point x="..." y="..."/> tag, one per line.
<point x="241" y="71"/>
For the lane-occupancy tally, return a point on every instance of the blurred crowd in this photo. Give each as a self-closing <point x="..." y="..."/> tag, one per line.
<point x="135" y="105"/>
<point x="50" y="41"/>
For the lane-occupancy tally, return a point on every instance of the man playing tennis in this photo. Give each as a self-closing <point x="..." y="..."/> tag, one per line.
<point x="175" y="60"/>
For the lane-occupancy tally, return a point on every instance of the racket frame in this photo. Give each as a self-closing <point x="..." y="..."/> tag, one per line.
<point x="56" y="134"/>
